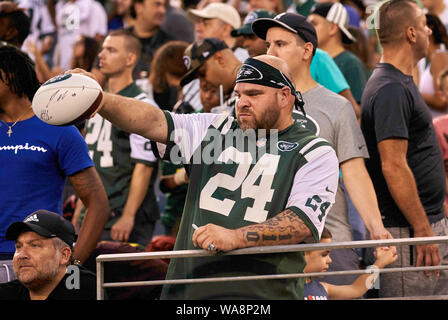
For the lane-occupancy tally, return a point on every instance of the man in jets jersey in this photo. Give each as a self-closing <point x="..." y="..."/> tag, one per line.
<point x="125" y="163"/>
<point x="256" y="180"/>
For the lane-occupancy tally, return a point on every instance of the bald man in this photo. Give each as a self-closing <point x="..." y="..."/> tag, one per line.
<point x="257" y="180"/>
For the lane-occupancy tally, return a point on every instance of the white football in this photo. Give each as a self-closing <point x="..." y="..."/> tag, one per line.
<point x="67" y="99"/>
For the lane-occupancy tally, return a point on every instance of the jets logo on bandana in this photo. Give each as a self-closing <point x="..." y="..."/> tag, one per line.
<point x="187" y="62"/>
<point x="248" y="72"/>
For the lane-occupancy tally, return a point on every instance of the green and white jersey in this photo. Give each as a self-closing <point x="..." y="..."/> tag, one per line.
<point x="331" y="117"/>
<point x="115" y="153"/>
<point x="237" y="180"/>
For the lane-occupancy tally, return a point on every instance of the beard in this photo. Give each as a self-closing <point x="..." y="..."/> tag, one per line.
<point x="266" y="120"/>
<point x="36" y="277"/>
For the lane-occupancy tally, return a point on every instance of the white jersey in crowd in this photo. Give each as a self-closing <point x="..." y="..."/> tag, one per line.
<point x="81" y="17"/>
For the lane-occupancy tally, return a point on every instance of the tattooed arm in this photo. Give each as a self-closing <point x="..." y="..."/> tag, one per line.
<point x="284" y="228"/>
<point x="310" y="198"/>
<point x="90" y="190"/>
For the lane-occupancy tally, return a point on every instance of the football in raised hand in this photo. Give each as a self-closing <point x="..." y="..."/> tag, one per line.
<point x="67" y="99"/>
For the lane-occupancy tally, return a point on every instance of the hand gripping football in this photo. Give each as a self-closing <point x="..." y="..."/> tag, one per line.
<point x="67" y="99"/>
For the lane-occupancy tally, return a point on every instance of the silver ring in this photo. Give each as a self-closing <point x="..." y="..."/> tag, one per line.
<point x="211" y="247"/>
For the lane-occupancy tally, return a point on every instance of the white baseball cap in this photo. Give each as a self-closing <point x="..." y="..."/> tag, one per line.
<point x="221" y="11"/>
<point x="336" y="13"/>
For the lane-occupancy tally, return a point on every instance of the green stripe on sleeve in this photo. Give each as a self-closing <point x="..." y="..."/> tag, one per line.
<point x="307" y="221"/>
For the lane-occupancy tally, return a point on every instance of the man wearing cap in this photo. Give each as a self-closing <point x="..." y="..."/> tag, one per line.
<point x="217" y="20"/>
<point x="325" y="71"/>
<point x="44" y="243"/>
<point x="291" y="37"/>
<point x="212" y="62"/>
<point x="254" y="45"/>
<point x="237" y="199"/>
<point x="330" y="21"/>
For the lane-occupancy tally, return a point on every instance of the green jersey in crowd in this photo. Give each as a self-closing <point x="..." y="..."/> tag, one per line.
<point x="115" y="153"/>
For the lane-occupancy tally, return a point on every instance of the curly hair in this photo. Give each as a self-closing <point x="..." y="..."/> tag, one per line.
<point x="17" y="71"/>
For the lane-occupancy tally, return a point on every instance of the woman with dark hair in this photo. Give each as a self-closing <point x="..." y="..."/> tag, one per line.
<point x="167" y="68"/>
<point x="85" y="52"/>
<point x="360" y="48"/>
<point x="436" y="60"/>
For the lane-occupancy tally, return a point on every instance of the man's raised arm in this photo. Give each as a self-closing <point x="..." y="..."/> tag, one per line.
<point x="132" y="115"/>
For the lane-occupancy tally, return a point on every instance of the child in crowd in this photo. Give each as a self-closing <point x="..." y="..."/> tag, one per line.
<point x="319" y="261"/>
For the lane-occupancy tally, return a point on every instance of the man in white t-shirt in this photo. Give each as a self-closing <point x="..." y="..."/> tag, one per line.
<point x="217" y="20"/>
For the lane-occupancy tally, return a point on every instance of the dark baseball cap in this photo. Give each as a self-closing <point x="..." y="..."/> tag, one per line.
<point x="293" y="22"/>
<point x="45" y="223"/>
<point x="197" y="53"/>
<point x="246" y="28"/>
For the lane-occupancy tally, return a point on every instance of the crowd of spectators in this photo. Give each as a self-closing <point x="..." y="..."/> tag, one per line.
<point x="183" y="56"/>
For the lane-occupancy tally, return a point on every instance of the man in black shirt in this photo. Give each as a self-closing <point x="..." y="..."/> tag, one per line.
<point x="42" y="261"/>
<point x="149" y="15"/>
<point x="405" y="162"/>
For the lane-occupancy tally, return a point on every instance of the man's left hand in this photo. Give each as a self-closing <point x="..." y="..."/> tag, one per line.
<point x="223" y="239"/>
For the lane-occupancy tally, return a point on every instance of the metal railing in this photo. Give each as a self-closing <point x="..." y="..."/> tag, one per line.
<point x="101" y="259"/>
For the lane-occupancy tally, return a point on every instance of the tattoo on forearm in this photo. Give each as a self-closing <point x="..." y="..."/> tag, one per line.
<point x="85" y="182"/>
<point x="286" y="227"/>
<point x="285" y="237"/>
<point x="252" y="236"/>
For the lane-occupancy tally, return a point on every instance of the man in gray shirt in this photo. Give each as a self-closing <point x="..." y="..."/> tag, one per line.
<point x="330" y="116"/>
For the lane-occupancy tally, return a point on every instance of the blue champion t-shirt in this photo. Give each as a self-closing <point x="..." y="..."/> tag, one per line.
<point x="34" y="163"/>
